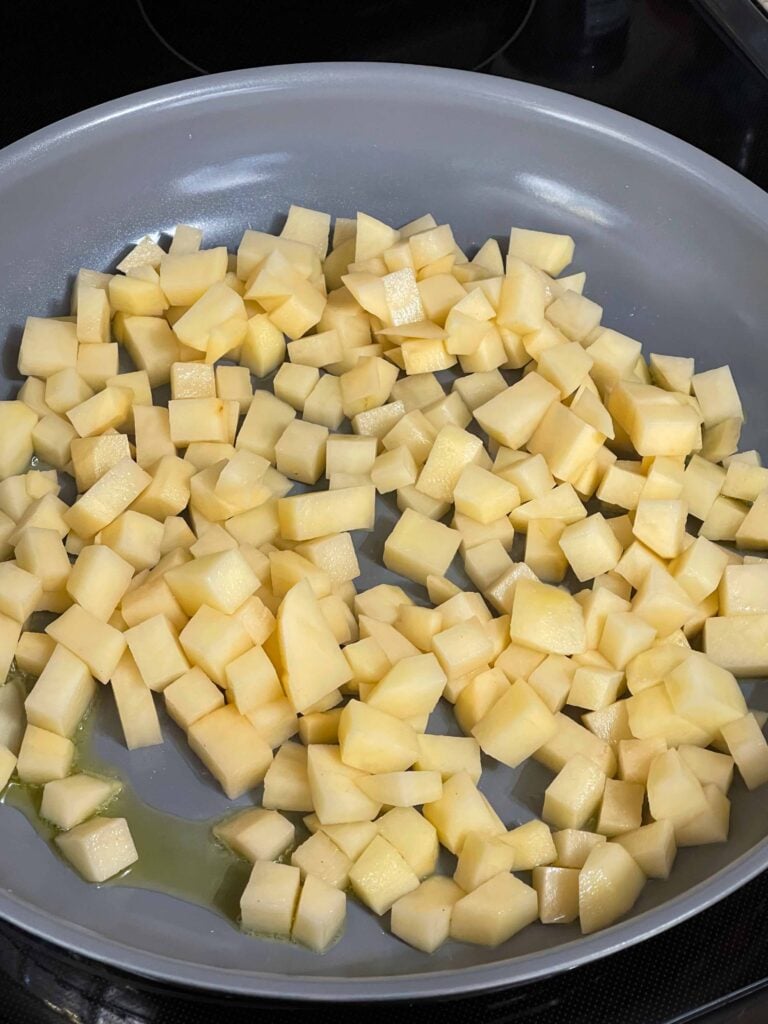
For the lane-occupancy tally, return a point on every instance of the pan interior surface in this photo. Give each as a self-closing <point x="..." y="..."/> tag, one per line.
<point x="675" y="248"/>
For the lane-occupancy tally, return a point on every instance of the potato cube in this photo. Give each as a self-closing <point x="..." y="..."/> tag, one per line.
<point x="99" y="848"/>
<point x="704" y="693"/>
<point x="231" y="749"/>
<point x="44" y="756"/>
<point x="532" y="845"/>
<point x="374" y="741"/>
<point x="422" y="918"/>
<point x="99" y="579"/>
<point x="609" y="885"/>
<point x="737" y="643"/>
<point x="403" y="789"/>
<point x="709" y="767"/>
<point x="20" y="591"/>
<point x="591" y="547"/>
<point x="460" y="810"/>
<point x="193" y="380"/>
<point x="252" y="681"/>
<point x="135" y="537"/>
<point x="412" y="686"/>
<point x="636" y="756"/>
<point x="558" y="894"/>
<point x="336" y="796"/>
<point x="653" y="847"/>
<point x="711" y="826"/>
<point x="595" y="687"/>
<point x="41" y="554"/>
<point x="256" y="834"/>
<point x="222" y="581"/>
<point x="449" y="755"/>
<point x="481" y="858"/>
<point x="61" y="695"/>
<point x="746" y="745"/>
<point x="286" y="784"/>
<point x="621" y="809"/>
<point x="573" y="846"/>
<point x="32" y="652"/>
<point x="717" y="396"/>
<point x="268" y="904"/>
<point x="95" y="642"/>
<point x="300" y="451"/>
<point x="197" y="419"/>
<point x="47" y="346"/>
<point x="660" y="525"/>
<point x="314" y="665"/>
<point x="67" y="802"/>
<point x="573" y="796"/>
<point x="674" y="792"/>
<point x="418" y="547"/>
<point x="320" y="915"/>
<point x="135" y="707"/>
<point x="494" y="912"/>
<point x="107" y="498"/>
<point x="412" y="836"/>
<point x="192" y="696"/>
<point x="546" y="619"/>
<point x="319" y="857"/>
<point x="155" y="647"/>
<point x="307" y="516"/>
<point x="211" y="640"/>
<point x="651" y="714"/>
<point x="380" y="876"/>
<point x="512" y="416"/>
<point x="516" y="725"/>
<point x="624" y="636"/>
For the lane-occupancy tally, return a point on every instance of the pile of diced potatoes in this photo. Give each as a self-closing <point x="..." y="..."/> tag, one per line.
<point x="187" y="567"/>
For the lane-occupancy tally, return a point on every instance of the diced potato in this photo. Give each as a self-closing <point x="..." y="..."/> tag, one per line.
<point x="319" y="857"/>
<point x="191" y="697"/>
<point x="674" y="792"/>
<point x="636" y="756"/>
<point x="403" y="789"/>
<point x="609" y="885"/>
<point x="33" y="651"/>
<point x="380" y="876"/>
<point x="460" y="810"/>
<point x="268" y="904"/>
<point x="95" y="642"/>
<point x="449" y="755"/>
<point x="573" y="796"/>
<point x="286" y="784"/>
<point x="374" y="741"/>
<point x="307" y="516"/>
<point x="481" y="858"/>
<point x="44" y="756"/>
<point x="135" y="707"/>
<point x="711" y="826"/>
<point x="222" y="581"/>
<point x="747" y="746"/>
<point x="621" y="809"/>
<point x="256" y="834"/>
<point x="411" y="687"/>
<point x="155" y="647"/>
<point x="231" y="749"/>
<point x="704" y="693"/>
<point x="99" y="848"/>
<point x="653" y="847"/>
<point x="737" y="643"/>
<point x="494" y="912"/>
<point x="422" y="917"/>
<point x="512" y="416"/>
<point x="515" y="726"/>
<point x="107" y="498"/>
<point x="546" y="619"/>
<point x="558" y="894"/>
<point x="412" y="836"/>
<point x="591" y="547"/>
<point x="99" y="579"/>
<point x="336" y="796"/>
<point x="573" y="846"/>
<point x="569" y="739"/>
<point x="320" y="915"/>
<point x="68" y="802"/>
<point x="61" y="695"/>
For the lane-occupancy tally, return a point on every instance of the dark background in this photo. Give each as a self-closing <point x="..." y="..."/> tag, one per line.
<point x="663" y="61"/>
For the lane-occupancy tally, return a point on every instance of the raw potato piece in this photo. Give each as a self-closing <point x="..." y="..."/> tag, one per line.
<point x="422" y="918"/>
<point x="95" y="642"/>
<point x="320" y="915"/>
<point x="99" y="848"/>
<point x="746" y="745"/>
<point x="268" y="904"/>
<point x="494" y="912"/>
<point x="135" y="707"/>
<point x="67" y="802"/>
<point x="546" y="619"/>
<point x="61" y="695"/>
<point x="231" y="749"/>
<point x="609" y="885"/>
<point x="380" y="876"/>
<point x="256" y="834"/>
<point x="515" y="726"/>
<point x="419" y="547"/>
<point x="558" y="893"/>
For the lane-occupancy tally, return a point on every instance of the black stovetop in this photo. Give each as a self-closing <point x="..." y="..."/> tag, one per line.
<point x="663" y="61"/>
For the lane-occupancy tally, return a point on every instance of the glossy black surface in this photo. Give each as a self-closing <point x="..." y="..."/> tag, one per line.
<point x="662" y="61"/>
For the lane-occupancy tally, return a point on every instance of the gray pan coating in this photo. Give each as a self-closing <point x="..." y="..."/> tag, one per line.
<point x="676" y="248"/>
